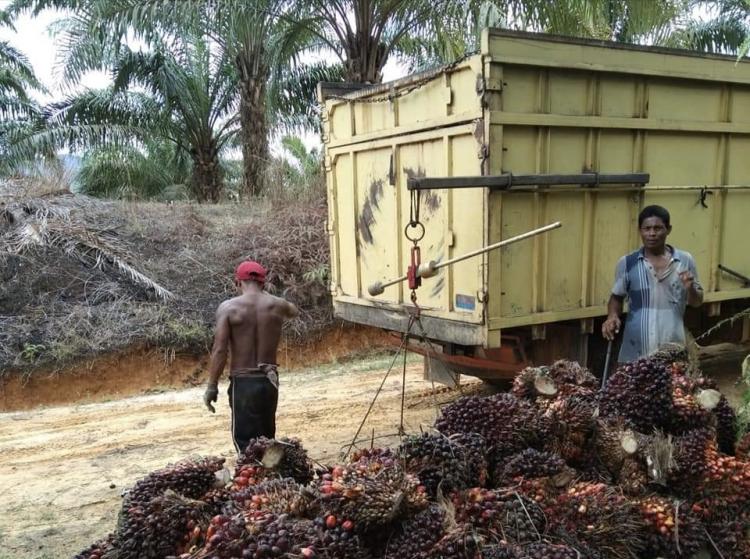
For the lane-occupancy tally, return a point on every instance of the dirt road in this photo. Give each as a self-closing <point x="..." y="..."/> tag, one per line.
<point x="62" y="469"/>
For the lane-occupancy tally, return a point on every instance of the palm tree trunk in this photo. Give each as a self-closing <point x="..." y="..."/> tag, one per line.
<point x="365" y="59"/>
<point x="207" y="180"/>
<point x="254" y="135"/>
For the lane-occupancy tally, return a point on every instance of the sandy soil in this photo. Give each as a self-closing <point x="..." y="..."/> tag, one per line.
<point x="62" y="469"/>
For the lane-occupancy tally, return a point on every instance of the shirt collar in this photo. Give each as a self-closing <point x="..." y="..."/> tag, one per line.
<point x="675" y="255"/>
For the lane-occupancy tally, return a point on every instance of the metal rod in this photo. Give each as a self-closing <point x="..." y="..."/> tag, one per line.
<point x="509" y="180"/>
<point x="731" y="272"/>
<point x="377" y="288"/>
<point x="515" y="239"/>
<point x="606" y="363"/>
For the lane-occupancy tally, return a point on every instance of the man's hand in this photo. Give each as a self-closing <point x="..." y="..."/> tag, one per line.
<point x="210" y="395"/>
<point x="688" y="280"/>
<point x="611" y="327"/>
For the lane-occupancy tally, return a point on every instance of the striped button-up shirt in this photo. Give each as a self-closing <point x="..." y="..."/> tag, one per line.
<point x="656" y="303"/>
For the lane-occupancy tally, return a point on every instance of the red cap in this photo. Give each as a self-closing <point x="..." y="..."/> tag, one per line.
<point x="250" y="270"/>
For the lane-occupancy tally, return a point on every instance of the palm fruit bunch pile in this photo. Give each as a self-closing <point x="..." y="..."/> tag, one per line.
<point x="162" y="515"/>
<point x="555" y="469"/>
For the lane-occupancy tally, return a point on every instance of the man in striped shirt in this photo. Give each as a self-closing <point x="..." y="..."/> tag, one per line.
<point x="658" y="281"/>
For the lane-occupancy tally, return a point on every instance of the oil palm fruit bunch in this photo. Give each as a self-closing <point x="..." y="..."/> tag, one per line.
<point x="370" y="499"/>
<point x="502" y="551"/>
<point x="529" y="463"/>
<point x="598" y="516"/>
<point x="570" y="422"/>
<point x="218" y="500"/>
<point x="97" y="550"/>
<point x="335" y="537"/>
<point x="726" y="426"/>
<point x="614" y="443"/>
<point x="541" y="550"/>
<point x="168" y="525"/>
<point x="565" y="372"/>
<point x="687" y="412"/>
<point x="226" y="538"/>
<point x="641" y="393"/>
<point x="490" y="512"/>
<point x="279" y="496"/>
<point x="277" y="535"/>
<point x="692" y="455"/>
<point x="461" y="542"/>
<point x="449" y="462"/>
<point x="506" y="423"/>
<point x="416" y="534"/>
<point x="189" y="478"/>
<point x="672" y="529"/>
<point x="730" y="535"/>
<point x="375" y="457"/>
<point x="543" y="491"/>
<point x="284" y="458"/>
<point x="562" y="378"/>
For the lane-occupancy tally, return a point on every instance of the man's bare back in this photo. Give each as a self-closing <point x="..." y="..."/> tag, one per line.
<point x="254" y="321"/>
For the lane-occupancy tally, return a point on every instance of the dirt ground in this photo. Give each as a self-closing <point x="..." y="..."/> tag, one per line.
<point x="62" y="469"/>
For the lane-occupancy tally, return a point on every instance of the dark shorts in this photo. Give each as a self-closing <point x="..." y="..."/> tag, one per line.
<point x="253" y="400"/>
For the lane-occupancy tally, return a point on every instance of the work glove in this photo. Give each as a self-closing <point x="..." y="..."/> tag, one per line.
<point x="210" y="395"/>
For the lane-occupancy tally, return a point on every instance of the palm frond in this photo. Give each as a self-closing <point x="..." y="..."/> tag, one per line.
<point x="46" y="225"/>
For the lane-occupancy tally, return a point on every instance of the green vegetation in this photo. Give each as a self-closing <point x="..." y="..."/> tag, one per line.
<point x="198" y="82"/>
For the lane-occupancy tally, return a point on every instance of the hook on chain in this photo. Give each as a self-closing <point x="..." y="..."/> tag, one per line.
<point x="412" y="272"/>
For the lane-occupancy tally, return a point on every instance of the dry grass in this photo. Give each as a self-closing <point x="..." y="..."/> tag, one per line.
<point x="82" y="277"/>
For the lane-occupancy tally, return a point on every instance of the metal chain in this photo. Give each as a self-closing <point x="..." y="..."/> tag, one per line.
<point x="412" y="87"/>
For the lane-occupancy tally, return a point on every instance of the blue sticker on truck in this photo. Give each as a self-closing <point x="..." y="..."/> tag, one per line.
<point x="466" y="302"/>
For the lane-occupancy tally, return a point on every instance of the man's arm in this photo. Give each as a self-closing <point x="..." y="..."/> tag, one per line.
<point x="692" y="286"/>
<point x="219" y="354"/>
<point x="693" y="290"/>
<point x="612" y="325"/>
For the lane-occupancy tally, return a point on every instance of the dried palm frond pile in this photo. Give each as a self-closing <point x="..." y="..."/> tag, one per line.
<point x="554" y="470"/>
<point x="81" y="276"/>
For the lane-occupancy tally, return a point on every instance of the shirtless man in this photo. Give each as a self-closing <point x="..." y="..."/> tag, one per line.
<point x="250" y="327"/>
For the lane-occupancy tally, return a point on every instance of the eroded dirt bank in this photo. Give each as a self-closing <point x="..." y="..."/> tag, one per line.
<point x="142" y="371"/>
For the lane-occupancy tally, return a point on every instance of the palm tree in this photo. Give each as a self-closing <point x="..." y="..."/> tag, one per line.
<point x="264" y="40"/>
<point x="364" y="34"/>
<point x="134" y="172"/>
<point x="725" y="30"/>
<point x="18" y="110"/>
<point x="181" y="92"/>
<point x="195" y="90"/>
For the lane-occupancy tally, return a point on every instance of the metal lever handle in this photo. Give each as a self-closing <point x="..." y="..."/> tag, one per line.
<point x="430" y="268"/>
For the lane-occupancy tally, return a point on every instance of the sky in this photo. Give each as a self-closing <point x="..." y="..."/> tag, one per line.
<point x="33" y="38"/>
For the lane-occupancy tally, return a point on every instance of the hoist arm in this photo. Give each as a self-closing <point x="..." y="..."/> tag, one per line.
<point x="429" y="269"/>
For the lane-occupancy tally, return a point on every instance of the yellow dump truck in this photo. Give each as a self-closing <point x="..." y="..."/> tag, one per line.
<point x="531" y="130"/>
